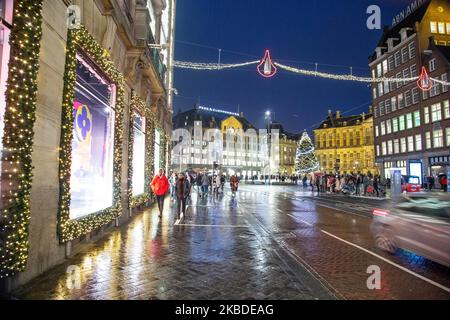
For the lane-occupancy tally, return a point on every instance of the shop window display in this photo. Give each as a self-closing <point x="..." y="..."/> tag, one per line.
<point x="138" y="180"/>
<point x="91" y="183"/>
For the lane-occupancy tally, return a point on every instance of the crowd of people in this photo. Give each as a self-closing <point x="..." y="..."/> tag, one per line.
<point x="351" y="184"/>
<point x="180" y="185"/>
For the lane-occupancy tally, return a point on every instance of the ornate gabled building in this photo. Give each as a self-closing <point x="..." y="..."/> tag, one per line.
<point x="345" y="144"/>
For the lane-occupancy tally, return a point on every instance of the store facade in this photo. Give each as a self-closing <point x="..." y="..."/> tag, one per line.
<point x="84" y="132"/>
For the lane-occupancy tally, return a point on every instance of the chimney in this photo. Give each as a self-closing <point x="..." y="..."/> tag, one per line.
<point x="241" y="114"/>
<point x="338" y="114"/>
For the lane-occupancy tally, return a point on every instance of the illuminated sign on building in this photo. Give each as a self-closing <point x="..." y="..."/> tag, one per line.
<point x="406" y="12"/>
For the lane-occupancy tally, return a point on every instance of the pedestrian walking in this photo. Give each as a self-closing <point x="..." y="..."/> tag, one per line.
<point x="182" y="191"/>
<point x="205" y="184"/>
<point x="365" y="184"/>
<point x="172" y="182"/>
<point x="234" y="184"/>
<point x="160" y="187"/>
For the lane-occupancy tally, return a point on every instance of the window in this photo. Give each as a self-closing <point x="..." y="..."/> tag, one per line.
<point x="382" y="108"/>
<point x="401" y="101"/>
<point x="405" y="75"/>
<point x="425" y="95"/>
<point x="405" y="55"/>
<point x="448" y="27"/>
<point x="432" y="65"/>
<point x="409" y="121"/>
<point x="387" y="105"/>
<point x="444" y="78"/>
<point x="386" y="87"/>
<point x="400" y="83"/>
<point x="383" y="148"/>
<point x="436" y="112"/>
<point x="418" y="142"/>
<point x="438" y="138"/>
<point x="383" y="128"/>
<point x="391" y="63"/>
<point x="378" y="150"/>
<point x="412" y="50"/>
<point x="390" y="149"/>
<point x="428" y="140"/>
<point x="373" y="73"/>
<point x="388" y="126"/>
<point x="377" y="132"/>
<point x="6" y="20"/>
<point x="447" y="136"/>
<point x="441" y="27"/>
<point x="403" y="145"/>
<point x="380" y="89"/>
<point x="379" y="70"/>
<point x="426" y="115"/>
<point x="410" y="144"/>
<point x="415" y="95"/>
<point x="396" y="146"/>
<point x="401" y="123"/>
<point x="91" y="182"/>
<point x="157" y="151"/>
<point x="433" y="27"/>
<point x="435" y="90"/>
<point x="417" y="119"/>
<point x="385" y="67"/>
<point x="446" y="109"/>
<point x="395" y="125"/>
<point x="413" y="70"/>
<point x="394" y="103"/>
<point x="408" y="98"/>
<point x="397" y="58"/>
<point x="374" y="93"/>
<point x="138" y="179"/>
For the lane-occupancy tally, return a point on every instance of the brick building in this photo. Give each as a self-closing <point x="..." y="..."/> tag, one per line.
<point x="412" y="127"/>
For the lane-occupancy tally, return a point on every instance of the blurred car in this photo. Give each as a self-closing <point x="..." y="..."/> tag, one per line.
<point x="419" y="223"/>
<point x="411" y="184"/>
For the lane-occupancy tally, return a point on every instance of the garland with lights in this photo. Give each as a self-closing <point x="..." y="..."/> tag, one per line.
<point x="21" y="95"/>
<point x="138" y="104"/>
<point x="71" y="229"/>
<point x="267" y="69"/>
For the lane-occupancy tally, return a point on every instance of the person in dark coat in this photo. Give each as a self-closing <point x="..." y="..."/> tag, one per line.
<point x="182" y="191"/>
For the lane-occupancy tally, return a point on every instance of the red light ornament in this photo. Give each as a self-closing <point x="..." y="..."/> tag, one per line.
<point x="425" y="83"/>
<point x="266" y="68"/>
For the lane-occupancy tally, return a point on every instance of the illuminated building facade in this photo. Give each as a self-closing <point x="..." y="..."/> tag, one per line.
<point x="412" y="127"/>
<point x="345" y="144"/>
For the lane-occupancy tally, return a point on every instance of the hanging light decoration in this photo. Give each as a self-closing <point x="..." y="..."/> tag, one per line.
<point x="266" y="68"/>
<point x="425" y="83"/>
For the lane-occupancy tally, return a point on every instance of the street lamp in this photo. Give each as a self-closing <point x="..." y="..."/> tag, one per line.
<point x="269" y="119"/>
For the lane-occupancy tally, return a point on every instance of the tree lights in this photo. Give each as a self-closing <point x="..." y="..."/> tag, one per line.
<point x="18" y="135"/>
<point x="306" y="160"/>
<point x="71" y="229"/>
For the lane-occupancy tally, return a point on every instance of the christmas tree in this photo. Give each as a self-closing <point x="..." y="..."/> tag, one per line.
<point x="306" y="161"/>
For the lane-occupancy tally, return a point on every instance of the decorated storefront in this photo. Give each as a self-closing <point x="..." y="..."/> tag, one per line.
<point x="20" y="36"/>
<point x="91" y="138"/>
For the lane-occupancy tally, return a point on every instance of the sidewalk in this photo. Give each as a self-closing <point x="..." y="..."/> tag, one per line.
<point x="216" y="252"/>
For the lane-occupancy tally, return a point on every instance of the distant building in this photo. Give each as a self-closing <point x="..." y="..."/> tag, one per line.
<point x="231" y="162"/>
<point x="412" y="128"/>
<point x="345" y="144"/>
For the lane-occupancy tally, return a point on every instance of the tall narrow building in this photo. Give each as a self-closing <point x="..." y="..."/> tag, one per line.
<point x="412" y="127"/>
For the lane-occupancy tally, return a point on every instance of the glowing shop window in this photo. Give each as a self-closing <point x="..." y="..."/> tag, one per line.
<point x="91" y="183"/>
<point x="138" y="180"/>
<point x="6" y="13"/>
<point x="157" y="150"/>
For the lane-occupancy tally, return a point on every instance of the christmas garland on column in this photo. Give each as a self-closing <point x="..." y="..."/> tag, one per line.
<point x="20" y="116"/>
<point x="71" y="229"/>
<point x="138" y="104"/>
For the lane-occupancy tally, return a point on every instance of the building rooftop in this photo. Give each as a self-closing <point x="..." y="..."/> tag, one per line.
<point x="407" y="22"/>
<point x="336" y="121"/>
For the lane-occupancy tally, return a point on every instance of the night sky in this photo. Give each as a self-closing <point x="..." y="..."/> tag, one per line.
<point x="298" y="33"/>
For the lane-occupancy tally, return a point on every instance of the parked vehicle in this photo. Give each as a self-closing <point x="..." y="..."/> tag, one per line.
<point x="419" y="223"/>
<point x="411" y="184"/>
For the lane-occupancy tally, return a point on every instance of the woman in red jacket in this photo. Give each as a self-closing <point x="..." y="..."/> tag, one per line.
<point x="160" y="186"/>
